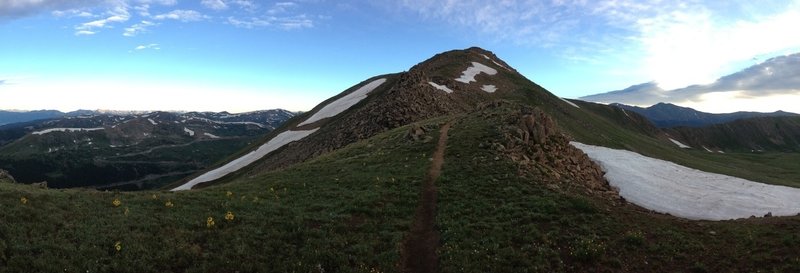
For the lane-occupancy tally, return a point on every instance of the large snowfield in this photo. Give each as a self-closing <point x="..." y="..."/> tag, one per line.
<point x="343" y="103"/>
<point x="666" y="187"/>
<point x="273" y="144"/>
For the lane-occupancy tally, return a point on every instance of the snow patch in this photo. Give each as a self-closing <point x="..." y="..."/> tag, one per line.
<point x="469" y="75"/>
<point x="707" y="150"/>
<point x="441" y="87"/>
<point x="489" y="88"/>
<point x="273" y="144"/>
<point x="343" y="103"/>
<point x="188" y="131"/>
<point x="575" y="105"/>
<point x="625" y="112"/>
<point x="210" y="135"/>
<point x="681" y="145"/>
<point x="66" y="130"/>
<point x="667" y="187"/>
<point x="227" y="122"/>
<point x="498" y="64"/>
<point x="152" y="121"/>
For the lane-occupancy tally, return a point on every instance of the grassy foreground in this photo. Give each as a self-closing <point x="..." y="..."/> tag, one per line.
<point x="348" y="211"/>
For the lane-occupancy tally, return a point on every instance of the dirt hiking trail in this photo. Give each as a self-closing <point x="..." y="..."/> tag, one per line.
<point x="419" y="247"/>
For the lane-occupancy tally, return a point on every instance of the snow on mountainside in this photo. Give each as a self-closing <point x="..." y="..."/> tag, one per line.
<point x="666" y="187"/>
<point x="468" y="75"/>
<point x="241" y="162"/>
<point x="344" y="103"/>
<point x="330" y="110"/>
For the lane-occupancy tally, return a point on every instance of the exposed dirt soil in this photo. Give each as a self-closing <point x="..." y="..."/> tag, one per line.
<point x="419" y="247"/>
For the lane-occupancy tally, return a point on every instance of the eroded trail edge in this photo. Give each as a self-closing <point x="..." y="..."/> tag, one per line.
<point x="419" y="248"/>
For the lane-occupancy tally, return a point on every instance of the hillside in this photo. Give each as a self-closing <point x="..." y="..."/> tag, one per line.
<point x="460" y="164"/>
<point x="128" y="151"/>
<point x="780" y="134"/>
<point x="666" y="115"/>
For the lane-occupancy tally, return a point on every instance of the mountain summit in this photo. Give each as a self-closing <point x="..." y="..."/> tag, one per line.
<point x="454" y="82"/>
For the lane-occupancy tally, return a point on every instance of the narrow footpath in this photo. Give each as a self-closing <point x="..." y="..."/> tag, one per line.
<point x="419" y="248"/>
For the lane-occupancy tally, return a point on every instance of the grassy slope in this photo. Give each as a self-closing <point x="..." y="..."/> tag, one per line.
<point x="348" y="211"/>
<point x="492" y="220"/>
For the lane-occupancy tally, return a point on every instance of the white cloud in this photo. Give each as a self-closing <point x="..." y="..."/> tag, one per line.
<point x="286" y="23"/>
<point x="117" y="14"/>
<point x="84" y="32"/>
<point x="248" y="5"/>
<point x="182" y="15"/>
<point x="72" y="13"/>
<point x="282" y="7"/>
<point x="218" y="5"/>
<point x="137" y="28"/>
<point x="22" y="8"/>
<point x="144" y="10"/>
<point x="159" y="2"/>
<point x="214" y="4"/>
<point x="150" y="46"/>
<point x="693" y="43"/>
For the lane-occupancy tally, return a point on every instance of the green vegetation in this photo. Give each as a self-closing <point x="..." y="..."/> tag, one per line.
<point x="92" y="161"/>
<point x="349" y="210"/>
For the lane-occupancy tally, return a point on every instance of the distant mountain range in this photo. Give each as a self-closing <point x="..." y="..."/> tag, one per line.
<point x="665" y="115"/>
<point x="775" y="76"/>
<point x="128" y="151"/>
<point x="11" y="116"/>
<point x="8" y="117"/>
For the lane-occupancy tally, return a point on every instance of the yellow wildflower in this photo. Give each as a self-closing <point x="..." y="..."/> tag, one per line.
<point x="23" y="200"/>
<point x="229" y="216"/>
<point x="155" y="197"/>
<point x="229" y="194"/>
<point x="169" y="204"/>
<point x="118" y="246"/>
<point x="210" y="222"/>
<point x="116" y="202"/>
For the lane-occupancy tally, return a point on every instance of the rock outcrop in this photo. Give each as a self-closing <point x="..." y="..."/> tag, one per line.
<point x="6" y="177"/>
<point x="534" y="141"/>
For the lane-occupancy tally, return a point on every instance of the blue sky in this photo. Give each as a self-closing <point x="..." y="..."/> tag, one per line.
<point x="242" y="55"/>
